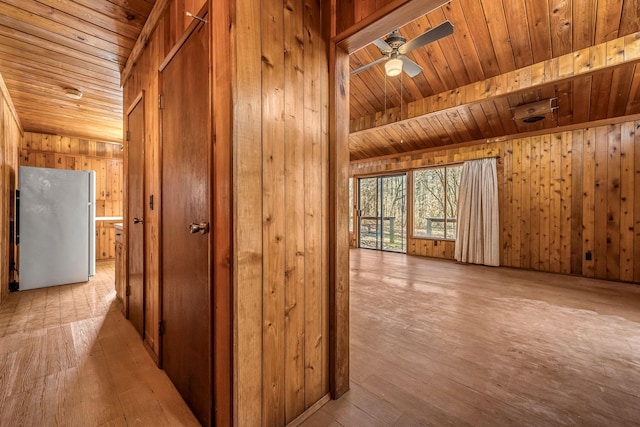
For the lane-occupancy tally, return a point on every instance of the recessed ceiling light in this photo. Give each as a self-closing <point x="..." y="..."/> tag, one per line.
<point x="72" y="93"/>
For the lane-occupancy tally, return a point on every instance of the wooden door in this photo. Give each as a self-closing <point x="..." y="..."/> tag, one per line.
<point x="186" y="194"/>
<point x="135" y="218"/>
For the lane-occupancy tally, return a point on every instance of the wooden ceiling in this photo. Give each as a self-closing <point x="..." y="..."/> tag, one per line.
<point x="493" y="40"/>
<point x="49" y="45"/>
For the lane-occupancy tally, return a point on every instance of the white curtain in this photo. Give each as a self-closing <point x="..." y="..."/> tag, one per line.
<point x="477" y="237"/>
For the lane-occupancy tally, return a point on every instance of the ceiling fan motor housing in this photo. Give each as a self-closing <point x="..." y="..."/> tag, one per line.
<point x="395" y="40"/>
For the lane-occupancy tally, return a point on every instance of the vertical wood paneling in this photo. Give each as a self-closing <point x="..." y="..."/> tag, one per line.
<point x="10" y="141"/>
<point x="636" y="209"/>
<point x="6" y="146"/>
<point x="566" y="198"/>
<point x="516" y="202"/>
<point x="314" y="187"/>
<point x="627" y="171"/>
<point x="569" y="195"/>
<point x="280" y="192"/>
<point x="320" y="19"/>
<point x="294" y="216"/>
<point x="588" y="202"/>
<point x="506" y="213"/>
<point x="338" y="239"/>
<point x="248" y="212"/>
<point x="535" y="207"/>
<point x="144" y="79"/>
<point x="544" y="203"/>
<point x="525" y="189"/>
<point x="577" y="166"/>
<point x="273" y="212"/>
<point x="105" y="159"/>
<point x="600" y="211"/>
<point x="613" y="203"/>
<point x="555" y="202"/>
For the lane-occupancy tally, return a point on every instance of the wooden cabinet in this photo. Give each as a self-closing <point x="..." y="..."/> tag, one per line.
<point x="121" y="269"/>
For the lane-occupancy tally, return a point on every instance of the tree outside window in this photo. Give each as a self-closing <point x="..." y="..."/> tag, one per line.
<point x="435" y="202"/>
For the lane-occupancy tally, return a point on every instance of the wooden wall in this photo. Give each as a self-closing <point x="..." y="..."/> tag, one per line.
<point x="562" y="196"/>
<point x="10" y="138"/>
<point x="276" y="118"/>
<point x="63" y="152"/>
<point x="144" y="79"/>
<point x="281" y="210"/>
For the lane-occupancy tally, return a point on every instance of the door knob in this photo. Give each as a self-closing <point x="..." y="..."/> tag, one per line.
<point x="137" y="220"/>
<point x="202" y="228"/>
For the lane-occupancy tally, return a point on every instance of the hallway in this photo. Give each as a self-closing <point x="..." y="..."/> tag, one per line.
<point x="69" y="357"/>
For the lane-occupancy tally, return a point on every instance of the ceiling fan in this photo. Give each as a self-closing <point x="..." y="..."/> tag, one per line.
<point x="394" y="47"/>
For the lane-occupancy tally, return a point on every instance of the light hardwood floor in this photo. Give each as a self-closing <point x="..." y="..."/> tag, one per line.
<point x="433" y="343"/>
<point x="438" y="343"/>
<point x="68" y="357"/>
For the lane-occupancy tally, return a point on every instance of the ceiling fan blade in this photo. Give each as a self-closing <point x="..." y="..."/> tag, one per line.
<point x="429" y="36"/>
<point x="411" y="68"/>
<point x="383" y="46"/>
<point x="369" y="65"/>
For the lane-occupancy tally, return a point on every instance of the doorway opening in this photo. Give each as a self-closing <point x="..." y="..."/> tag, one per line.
<point x="382" y="213"/>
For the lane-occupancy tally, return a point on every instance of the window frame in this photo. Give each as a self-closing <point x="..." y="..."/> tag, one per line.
<point x="413" y="201"/>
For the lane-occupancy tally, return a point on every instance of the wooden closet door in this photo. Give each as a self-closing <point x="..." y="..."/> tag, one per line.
<point x="186" y="195"/>
<point x="134" y="301"/>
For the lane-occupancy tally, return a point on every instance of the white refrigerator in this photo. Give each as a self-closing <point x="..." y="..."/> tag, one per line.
<point x="56" y="226"/>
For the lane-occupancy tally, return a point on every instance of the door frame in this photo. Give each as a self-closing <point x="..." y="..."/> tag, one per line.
<point x="376" y="25"/>
<point x="220" y="160"/>
<point x="380" y="206"/>
<point x="139" y="99"/>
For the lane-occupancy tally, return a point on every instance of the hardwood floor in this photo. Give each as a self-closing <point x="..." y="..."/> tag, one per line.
<point x="439" y="343"/>
<point x="432" y="343"/>
<point x="68" y="357"/>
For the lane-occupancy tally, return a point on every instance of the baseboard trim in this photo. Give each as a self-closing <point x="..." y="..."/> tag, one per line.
<point x="312" y="410"/>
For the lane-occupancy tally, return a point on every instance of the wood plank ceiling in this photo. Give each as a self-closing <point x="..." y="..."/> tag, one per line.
<point x="47" y="46"/>
<point x="492" y="38"/>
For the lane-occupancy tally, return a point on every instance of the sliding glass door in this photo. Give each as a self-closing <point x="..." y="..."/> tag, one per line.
<point x="382" y="213"/>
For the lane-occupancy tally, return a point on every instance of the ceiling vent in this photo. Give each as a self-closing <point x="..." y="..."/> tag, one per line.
<point x="534" y="111"/>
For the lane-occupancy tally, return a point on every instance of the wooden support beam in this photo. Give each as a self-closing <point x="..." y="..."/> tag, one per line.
<point x="585" y="62"/>
<point x="399" y="157"/>
<point x="143" y="39"/>
<point x="383" y="21"/>
<point x="338" y="225"/>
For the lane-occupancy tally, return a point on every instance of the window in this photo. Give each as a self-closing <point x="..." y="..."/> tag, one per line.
<point x="351" y="207"/>
<point x="435" y="202"/>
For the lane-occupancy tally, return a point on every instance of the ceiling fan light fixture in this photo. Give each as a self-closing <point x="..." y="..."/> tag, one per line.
<point x="72" y="93"/>
<point x="393" y="67"/>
